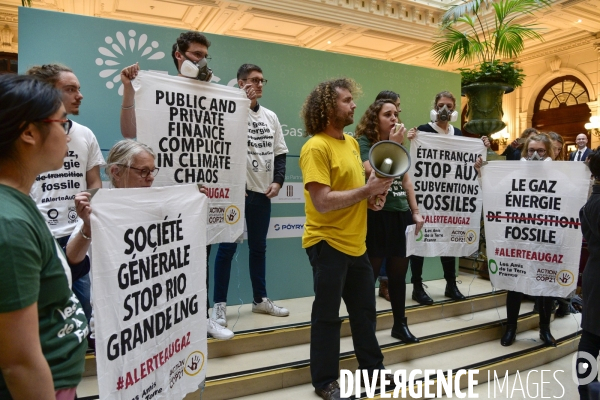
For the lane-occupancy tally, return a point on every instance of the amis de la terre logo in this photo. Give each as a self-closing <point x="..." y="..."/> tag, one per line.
<point x="120" y="52"/>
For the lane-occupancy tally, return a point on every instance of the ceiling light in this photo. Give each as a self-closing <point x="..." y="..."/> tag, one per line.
<point x="578" y="21"/>
<point x="329" y="42"/>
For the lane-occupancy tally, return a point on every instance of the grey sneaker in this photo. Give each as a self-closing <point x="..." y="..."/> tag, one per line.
<point x="219" y="313"/>
<point x="217" y="331"/>
<point x="268" y="307"/>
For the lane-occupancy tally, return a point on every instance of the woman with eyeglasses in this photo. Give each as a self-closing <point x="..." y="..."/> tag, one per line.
<point x="130" y="164"/>
<point x="43" y="329"/>
<point x="537" y="148"/>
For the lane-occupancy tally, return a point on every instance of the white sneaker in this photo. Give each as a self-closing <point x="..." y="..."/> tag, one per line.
<point x="268" y="307"/>
<point x="219" y="313"/>
<point x="217" y="331"/>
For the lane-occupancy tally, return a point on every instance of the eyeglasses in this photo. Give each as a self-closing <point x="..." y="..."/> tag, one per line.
<point x="144" y="172"/>
<point x="66" y="123"/>
<point x="541" y="152"/>
<point x="199" y="56"/>
<point x="256" y="81"/>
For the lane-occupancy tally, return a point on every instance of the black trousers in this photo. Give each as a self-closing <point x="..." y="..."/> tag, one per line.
<point x="338" y="276"/>
<point x="416" y="267"/>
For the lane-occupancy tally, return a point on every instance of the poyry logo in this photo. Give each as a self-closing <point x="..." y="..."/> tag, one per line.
<point x="288" y="227"/>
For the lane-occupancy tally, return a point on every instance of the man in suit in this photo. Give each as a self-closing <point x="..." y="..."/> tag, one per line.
<point x="582" y="150"/>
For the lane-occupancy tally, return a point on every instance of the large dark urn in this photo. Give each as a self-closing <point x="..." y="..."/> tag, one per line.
<point x="484" y="107"/>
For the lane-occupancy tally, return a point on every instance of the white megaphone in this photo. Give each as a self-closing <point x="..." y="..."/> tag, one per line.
<point x="389" y="159"/>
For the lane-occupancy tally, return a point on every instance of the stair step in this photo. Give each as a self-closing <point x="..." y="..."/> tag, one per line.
<point x="525" y="354"/>
<point x="257" y="332"/>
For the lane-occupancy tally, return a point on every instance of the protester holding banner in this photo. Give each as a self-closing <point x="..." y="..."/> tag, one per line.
<point x="43" y="328"/>
<point x="386" y="228"/>
<point x="537" y="148"/>
<point x="590" y="319"/>
<point x="190" y="55"/>
<point x="190" y="48"/>
<point x="442" y="114"/>
<point x="130" y="164"/>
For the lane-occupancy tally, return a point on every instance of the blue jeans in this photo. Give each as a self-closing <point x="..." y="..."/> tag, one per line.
<point x="81" y="288"/>
<point x="258" y="215"/>
<point x="338" y="276"/>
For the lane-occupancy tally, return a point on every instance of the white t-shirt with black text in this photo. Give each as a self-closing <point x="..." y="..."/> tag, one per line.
<point x="54" y="191"/>
<point x="265" y="141"/>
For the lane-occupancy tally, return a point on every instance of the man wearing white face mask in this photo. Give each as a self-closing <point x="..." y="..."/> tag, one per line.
<point x="190" y="55"/>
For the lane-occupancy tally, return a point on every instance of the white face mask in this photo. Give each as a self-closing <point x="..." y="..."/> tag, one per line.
<point x="443" y="114"/>
<point x="536" y="157"/>
<point x="197" y="70"/>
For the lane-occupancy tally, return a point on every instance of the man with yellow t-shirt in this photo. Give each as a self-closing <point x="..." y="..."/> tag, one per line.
<point x="335" y="231"/>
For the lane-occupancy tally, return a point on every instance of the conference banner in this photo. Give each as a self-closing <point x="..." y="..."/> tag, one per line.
<point x="149" y="296"/>
<point x="199" y="133"/>
<point x="532" y="227"/>
<point x="448" y="194"/>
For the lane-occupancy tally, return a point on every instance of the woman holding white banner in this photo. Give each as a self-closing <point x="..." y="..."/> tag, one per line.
<point x="442" y="114"/>
<point x="537" y="148"/>
<point x="42" y="326"/>
<point x="386" y="228"/>
<point x="130" y="164"/>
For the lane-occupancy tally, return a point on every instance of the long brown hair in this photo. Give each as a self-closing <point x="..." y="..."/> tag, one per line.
<point x="369" y="123"/>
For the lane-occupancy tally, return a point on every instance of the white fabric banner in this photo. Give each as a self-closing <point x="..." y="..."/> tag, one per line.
<point x="532" y="230"/>
<point x="448" y="194"/>
<point x="149" y="291"/>
<point x="199" y="132"/>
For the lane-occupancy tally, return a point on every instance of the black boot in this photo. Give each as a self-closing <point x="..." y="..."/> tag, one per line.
<point x="509" y="335"/>
<point x="564" y="308"/>
<point x="420" y="296"/>
<point x="400" y="331"/>
<point x="453" y="292"/>
<point x="546" y="336"/>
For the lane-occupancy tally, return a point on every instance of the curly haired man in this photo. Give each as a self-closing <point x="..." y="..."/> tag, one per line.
<point x="337" y="199"/>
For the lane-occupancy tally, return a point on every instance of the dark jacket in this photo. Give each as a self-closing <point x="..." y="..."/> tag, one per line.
<point x="512" y="154"/>
<point x="583" y="156"/>
<point x="428" y="128"/>
<point x="589" y="216"/>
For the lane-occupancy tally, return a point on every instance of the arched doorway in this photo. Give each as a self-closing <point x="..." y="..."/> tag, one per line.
<point x="561" y="107"/>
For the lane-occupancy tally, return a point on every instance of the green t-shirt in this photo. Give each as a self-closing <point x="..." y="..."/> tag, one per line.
<point x="33" y="269"/>
<point x="395" y="199"/>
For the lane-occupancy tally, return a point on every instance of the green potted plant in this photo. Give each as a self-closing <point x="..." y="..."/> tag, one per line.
<point x="486" y="31"/>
